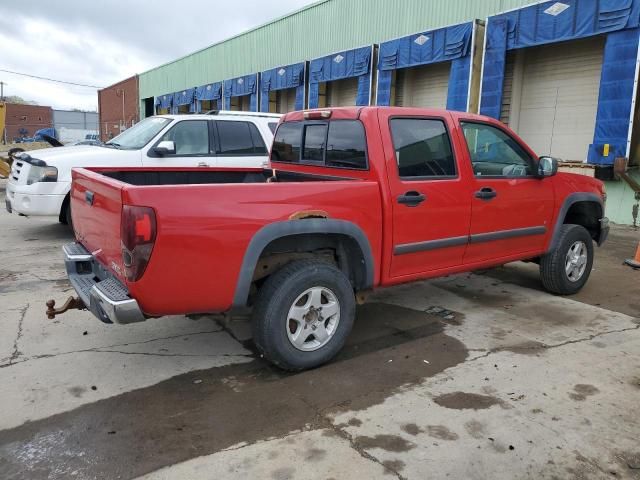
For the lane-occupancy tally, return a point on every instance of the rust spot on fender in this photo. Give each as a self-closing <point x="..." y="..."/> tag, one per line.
<point x="301" y="215"/>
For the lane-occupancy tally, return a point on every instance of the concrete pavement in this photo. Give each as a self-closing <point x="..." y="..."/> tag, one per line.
<point x="472" y="376"/>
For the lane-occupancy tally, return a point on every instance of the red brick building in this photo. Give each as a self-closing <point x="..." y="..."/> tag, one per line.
<point x="118" y="107"/>
<point x="25" y="120"/>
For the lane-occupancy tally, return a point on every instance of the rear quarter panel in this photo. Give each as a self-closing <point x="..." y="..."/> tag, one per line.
<point x="204" y="231"/>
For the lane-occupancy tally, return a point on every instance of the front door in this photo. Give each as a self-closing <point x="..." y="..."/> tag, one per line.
<point x="193" y="147"/>
<point x="430" y="202"/>
<point x="511" y="207"/>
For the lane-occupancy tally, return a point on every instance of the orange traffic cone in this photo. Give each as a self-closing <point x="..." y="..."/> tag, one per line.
<point x="634" y="262"/>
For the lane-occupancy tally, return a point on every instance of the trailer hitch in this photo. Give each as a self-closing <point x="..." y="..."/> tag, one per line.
<point x="72" y="303"/>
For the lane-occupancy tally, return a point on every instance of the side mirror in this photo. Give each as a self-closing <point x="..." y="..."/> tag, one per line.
<point x="547" y="167"/>
<point x="166" y="147"/>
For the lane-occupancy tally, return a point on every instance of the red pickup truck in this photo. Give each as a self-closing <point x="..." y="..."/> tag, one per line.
<point x="355" y="198"/>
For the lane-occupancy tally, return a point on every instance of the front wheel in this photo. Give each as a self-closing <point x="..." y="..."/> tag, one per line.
<point x="303" y="314"/>
<point x="566" y="269"/>
<point x="65" y="213"/>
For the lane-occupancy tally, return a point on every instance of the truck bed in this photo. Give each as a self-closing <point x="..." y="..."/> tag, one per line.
<point x="146" y="177"/>
<point x="205" y="221"/>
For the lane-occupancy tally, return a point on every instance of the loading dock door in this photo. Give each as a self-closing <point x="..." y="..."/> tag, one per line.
<point x="557" y="97"/>
<point x="424" y="86"/>
<point x="241" y="103"/>
<point x="286" y="100"/>
<point x="507" y="89"/>
<point x="342" y="93"/>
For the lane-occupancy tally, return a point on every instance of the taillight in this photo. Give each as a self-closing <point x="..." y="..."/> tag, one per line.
<point x="138" y="234"/>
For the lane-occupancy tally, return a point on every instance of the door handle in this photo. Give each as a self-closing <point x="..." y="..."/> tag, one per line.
<point x="88" y="197"/>
<point x="412" y="198"/>
<point x="203" y="164"/>
<point x="486" y="193"/>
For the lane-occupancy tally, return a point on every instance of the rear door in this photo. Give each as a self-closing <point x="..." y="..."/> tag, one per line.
<point x="511" y="207"/>
<point x="193" y="143"/>
<point x="239" y="144"/>
<point x="430" y="202"/>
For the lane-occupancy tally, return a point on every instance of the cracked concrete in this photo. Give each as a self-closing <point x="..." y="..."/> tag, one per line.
<point x="308" y="455"/>
<point x="341" y="432"/>
<point x="49" y="366"/>
<point x="16" y="353"/>
<point x="543" y="387"/>
<point x="542" y="346"/>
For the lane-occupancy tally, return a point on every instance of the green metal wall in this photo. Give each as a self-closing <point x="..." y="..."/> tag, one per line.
<point x="621" y="200"/>
<point x="323" y="28"/>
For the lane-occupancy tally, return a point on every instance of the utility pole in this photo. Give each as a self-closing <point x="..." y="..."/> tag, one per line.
<point x="2" y="84"/>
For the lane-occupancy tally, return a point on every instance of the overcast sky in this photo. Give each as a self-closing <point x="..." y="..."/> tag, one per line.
<point x="103" y="41"/>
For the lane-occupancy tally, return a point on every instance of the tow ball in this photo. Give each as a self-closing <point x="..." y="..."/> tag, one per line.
<point x="72" y="303"/>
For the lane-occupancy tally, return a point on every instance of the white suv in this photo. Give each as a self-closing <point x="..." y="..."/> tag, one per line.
<point x="40" y="180"/>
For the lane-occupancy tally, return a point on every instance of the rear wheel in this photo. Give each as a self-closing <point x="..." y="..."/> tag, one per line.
<point x="303" y="314"/>
<point x="566" y="269"/>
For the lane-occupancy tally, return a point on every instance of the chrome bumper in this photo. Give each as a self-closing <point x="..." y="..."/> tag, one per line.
<point x="103" y="294"/>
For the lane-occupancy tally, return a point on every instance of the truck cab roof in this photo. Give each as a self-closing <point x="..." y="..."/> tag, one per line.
<point x="225" y="115"/>
<point x="351" y="113"/>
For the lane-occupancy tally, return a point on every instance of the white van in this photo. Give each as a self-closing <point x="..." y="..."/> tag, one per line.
<point x="40" y="180"/>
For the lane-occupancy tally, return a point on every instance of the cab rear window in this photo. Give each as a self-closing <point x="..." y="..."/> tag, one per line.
<point x="337" y="144"/>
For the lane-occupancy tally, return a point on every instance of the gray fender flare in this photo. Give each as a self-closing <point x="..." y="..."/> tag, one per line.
<point x="566" y="205"/>
<point x="276" y="230"/>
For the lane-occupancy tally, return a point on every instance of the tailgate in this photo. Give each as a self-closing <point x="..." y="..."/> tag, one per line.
<point x="96" y="209"/>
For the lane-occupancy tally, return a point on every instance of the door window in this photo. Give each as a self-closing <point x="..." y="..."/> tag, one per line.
<point x="240" y="138"/>
<point x="346" y="145"/>
<point x="191" y="137"/>
<point x="423" y="149"/>
<point x="286" y="143"/>
<point x="494" y="153"/>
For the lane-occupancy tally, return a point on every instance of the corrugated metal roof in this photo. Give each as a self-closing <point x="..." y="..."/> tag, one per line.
<point x="316" y="30"/>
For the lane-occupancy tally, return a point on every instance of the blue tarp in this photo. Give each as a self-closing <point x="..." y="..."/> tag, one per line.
<point x="291" y="76"/>
<point x="211" y="91"/>
<point x="434" y="46"/>
<point x="495" y="59"/>
<point x="616" y="94"/>
<point x="348" y="64"/>
<point x="164" y="101"/>
<point x="183" y="97"/>
<point x="551" y="22"/>
<point x="241" y="86"/>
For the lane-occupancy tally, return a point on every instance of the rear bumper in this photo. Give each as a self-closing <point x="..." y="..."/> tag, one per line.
<point x="100" y="291"/>
<point x="604" y="231"/>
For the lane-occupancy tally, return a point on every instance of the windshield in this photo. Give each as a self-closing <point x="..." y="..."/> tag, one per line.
<point x="140" y="134"/>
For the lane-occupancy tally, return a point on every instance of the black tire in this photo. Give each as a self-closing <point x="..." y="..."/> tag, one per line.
<point x="65" y="213"/>
<point x="277" y="295"/>
<point x="552" y="265"/>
